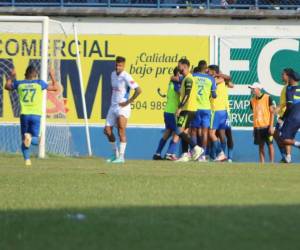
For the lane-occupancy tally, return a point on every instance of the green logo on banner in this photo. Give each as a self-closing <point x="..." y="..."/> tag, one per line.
<point x="250" y="60"/>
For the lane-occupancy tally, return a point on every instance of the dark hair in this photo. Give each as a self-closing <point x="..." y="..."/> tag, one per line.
<point x="30" y="70"/>
<point x="176" y="71"/>
<point x="120" y="59"/>
<point x="197" y="70"/>
<point x="214" y="67"/>
<point x="292" y="74"/>
<point x="202" y="65"/>
<point x="297" y="77"/>
<point x="184" y="61"/>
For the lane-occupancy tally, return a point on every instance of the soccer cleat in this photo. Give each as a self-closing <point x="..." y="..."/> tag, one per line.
<point x="282" y="160"/>
<point x="156" y="157"/>
<point x="288" y="159"/>
<point x="221" y="157"/>
<point x="111" y="159"/>
<point x="118" y="161"/>
<point x="27" y="140"/>
<point x="202" y="158"/>
<point x="185" y="157"/>
<point x="28" y="163"/>
<point x="171" y="157"/>
<point x="229" y="160"/>
<point x="197" y="152"/>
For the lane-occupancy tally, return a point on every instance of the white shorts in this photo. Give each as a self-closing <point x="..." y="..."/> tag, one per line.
<point x="115" y="112"/>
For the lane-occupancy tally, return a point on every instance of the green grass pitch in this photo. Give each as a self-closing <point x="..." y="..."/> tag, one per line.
<point x="79" y="204"/>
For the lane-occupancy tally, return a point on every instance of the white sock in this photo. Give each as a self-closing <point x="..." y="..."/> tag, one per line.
<point x="115" y="149"/>
<point x="122" y="149"/>
<point x="297" y="143"/>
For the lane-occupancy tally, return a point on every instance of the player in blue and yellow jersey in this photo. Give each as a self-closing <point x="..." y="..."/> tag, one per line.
<point x="219" y="118"/>
<point x="170" y="119"/>
<point x="280" y="112"/>
<point x="187" y="108"/>
<point x="206" y="87"/>
<point x="291" y="116"/>
<point x="30" y="93"/>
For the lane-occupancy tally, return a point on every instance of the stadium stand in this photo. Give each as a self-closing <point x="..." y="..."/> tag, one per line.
<point x="202" y="4"/>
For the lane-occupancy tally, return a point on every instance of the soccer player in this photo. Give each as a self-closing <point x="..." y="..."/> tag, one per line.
<point x="263" y="119"/>
<point x="30" y="93"/>
<point x="280" y="112"/>
<point x="291" y="115"/>
<point x="119" y="111"/>
<point x="169" y="118"/>
<point x="219" y="115"/>
<point x="206" y="87"/>
<point x="187" y="108"/>
<point x="228" y="130"/>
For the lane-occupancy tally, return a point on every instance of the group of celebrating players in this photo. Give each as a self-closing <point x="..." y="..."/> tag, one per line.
<point x="197" y="112"/>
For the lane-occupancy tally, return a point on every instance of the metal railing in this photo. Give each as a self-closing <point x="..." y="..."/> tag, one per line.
<point x="201" y="4"/>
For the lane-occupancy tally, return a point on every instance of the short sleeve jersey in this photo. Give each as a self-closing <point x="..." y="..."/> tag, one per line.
<point x="172" y="97"/>
<point x="205" y="85"/>
<point x="30" y="95"/>
<point x="221" y="101"/>
<point x="191" y="104"/>
<point x="121" y="85"/>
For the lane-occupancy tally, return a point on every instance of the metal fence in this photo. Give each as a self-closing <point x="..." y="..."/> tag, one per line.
<point x="202" y="4"/>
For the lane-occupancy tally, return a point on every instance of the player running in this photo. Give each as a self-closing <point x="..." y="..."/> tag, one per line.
<point x="291" y="115"/>
<point x="219" y="116"/>
<point x="119" y="111"/>
<point x="187" y="107"/>
<point x="206" y="86"/>
<point x="30" y="91"/>
<point x="169" y="118"/>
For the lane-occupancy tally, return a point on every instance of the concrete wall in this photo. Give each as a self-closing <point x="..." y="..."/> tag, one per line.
<point x="184" y="26"/>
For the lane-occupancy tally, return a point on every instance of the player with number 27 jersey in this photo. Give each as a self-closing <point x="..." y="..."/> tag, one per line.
<point x="30" y="95"/>
<point x="30" y="92"/>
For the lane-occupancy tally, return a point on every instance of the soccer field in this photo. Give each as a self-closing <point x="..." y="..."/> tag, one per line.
<point x="78" y="203"/>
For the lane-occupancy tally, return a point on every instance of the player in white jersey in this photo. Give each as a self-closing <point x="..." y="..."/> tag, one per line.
<point x="119" y="111"/>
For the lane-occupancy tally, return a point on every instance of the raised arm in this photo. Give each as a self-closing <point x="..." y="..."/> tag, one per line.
<point x="224" y="76"/>
<point x="10" y="79"/>
<point x="229" y="84"/>
<point x="54" y="85"/>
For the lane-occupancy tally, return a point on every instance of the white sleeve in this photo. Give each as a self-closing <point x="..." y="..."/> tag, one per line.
<point x="130" y="82"/>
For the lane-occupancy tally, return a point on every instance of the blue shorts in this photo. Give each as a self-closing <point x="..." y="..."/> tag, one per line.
<point x="289" y="128"/>
<point x="219" y="119"/>
<point x="30" y="124"/>
<point x="202" y="119"/>
<point x="170" y="121"/>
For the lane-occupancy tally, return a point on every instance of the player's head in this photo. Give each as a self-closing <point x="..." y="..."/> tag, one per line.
<point x="290" y="76"/>
<point x="284" y="75"/>
<point x="202" y="65"/>
<point x="176" y="71"/>
<point x="120" y="64"/>
<point x="184" y="66"/>
<point x="213" y="70"/>
<point x="197" y="70"/>
<point x="256" y="89"/>
<point x="31" y="72"/>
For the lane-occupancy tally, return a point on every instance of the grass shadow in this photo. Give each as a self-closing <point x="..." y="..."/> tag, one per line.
<point x="169" y="227"/>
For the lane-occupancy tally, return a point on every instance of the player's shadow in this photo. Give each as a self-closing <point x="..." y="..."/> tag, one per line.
<point x="185" y="227"/>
